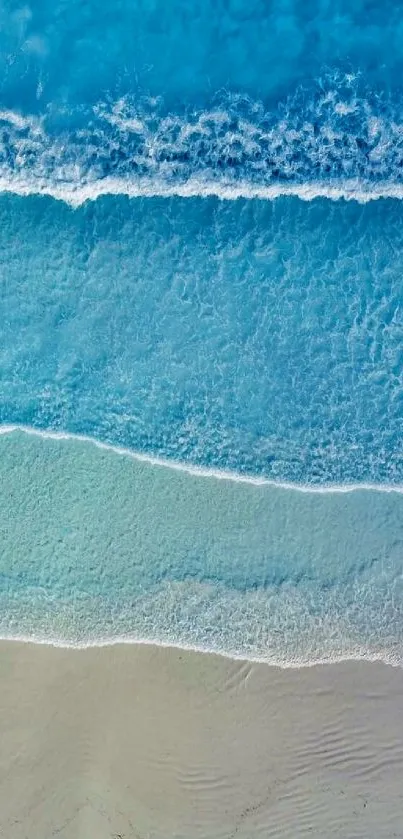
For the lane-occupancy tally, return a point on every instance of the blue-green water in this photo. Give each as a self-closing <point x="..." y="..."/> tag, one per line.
<point x="177" y="279"/>
<point x="97" y="546"/>
<point x="261" y="337"/>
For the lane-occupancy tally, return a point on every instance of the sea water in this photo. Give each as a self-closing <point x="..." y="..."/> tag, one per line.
<point x="178" y="280"/>
<point x="229" y="97"/>
<point x="99" y="546"/>
<point x="261" y="337"/>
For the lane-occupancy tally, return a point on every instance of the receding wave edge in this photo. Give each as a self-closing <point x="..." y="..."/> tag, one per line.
<point x="218" y="474"/>
<point x="383" y="651"/>
<point x="384" y="657"/>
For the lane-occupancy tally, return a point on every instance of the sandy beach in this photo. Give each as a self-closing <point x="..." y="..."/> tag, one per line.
<point x="139" y="741"/>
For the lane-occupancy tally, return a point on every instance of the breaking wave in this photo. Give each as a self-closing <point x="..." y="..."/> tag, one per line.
<point x="335" y="140"/>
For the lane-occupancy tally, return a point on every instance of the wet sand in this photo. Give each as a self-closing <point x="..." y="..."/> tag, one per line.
<point x="150" y="743"/>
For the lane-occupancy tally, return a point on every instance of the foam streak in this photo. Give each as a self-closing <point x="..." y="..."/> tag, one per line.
<point x="218" y="474"/>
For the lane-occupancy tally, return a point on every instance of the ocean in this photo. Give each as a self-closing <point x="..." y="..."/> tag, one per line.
<point x="201" y="273"/>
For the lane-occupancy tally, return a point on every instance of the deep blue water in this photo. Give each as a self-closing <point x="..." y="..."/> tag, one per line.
<point x="229" y="97"/>
<point x="192" y="262"/>
<point x="74" y="54"/>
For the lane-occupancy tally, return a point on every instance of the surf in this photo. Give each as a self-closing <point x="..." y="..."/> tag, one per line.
<point x="257" y="572"/>
<point x="334" y="139"/>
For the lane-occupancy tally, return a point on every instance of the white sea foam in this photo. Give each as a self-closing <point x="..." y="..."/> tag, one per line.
<point x="333" y="141"/>
<point x="204" y="472"/>
<point x="295" y="614"/>
<point x="75" y="195"/>
<point x="357" y="654"/>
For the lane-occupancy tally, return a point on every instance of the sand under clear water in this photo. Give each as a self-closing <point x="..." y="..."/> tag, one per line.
<point x="98" y="546"/>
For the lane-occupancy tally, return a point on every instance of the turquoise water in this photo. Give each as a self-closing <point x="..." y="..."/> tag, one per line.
<point x="261" y="337"/>
<point x="193" y="267"/>
<point x="97" y="546"/>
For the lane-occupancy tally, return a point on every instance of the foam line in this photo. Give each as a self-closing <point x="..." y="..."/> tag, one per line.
<point x="200" y="471"/>
<point x="75" y="195"/>
<point x="283" y="664"/>
<point x="334" y="139"/>
<point x="65" y="597"/>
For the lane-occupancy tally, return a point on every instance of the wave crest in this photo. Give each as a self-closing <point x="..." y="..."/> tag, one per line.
<point x="333" y="140"/>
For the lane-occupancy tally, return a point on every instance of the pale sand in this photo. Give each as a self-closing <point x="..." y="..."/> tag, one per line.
<point x="135" y="741"/>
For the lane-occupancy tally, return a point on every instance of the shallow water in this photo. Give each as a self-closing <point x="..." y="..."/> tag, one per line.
<point x="96" y="546"/>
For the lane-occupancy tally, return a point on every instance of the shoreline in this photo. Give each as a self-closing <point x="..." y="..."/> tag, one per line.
<point x="385" y="660"/>
<point x="143" y="741"/>
<point x="259" y="574"/>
